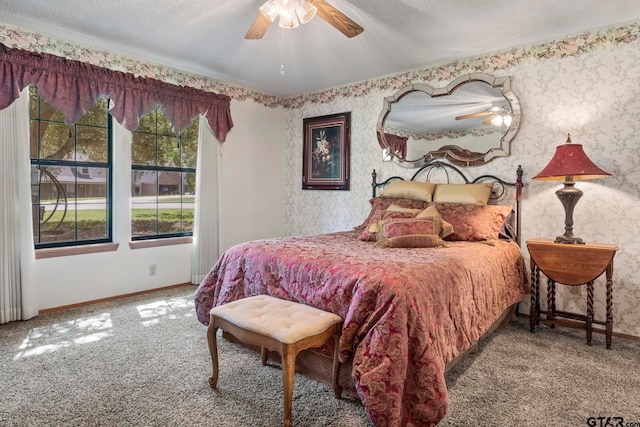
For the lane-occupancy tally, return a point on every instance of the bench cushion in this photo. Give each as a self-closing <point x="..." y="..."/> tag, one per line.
<point x="285" y="321"/>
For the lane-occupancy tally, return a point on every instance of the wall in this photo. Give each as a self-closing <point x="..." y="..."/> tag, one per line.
<point x="250" y="185"/>
<point x="252" y="174"/>
<point x="248" y="178"/>
<point x="583" y="85"/>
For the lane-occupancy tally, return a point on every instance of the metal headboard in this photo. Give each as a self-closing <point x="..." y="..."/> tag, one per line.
<point x="497" y="193"/>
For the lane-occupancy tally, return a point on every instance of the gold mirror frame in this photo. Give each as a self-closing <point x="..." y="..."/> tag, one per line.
<point x="465" y="155"/>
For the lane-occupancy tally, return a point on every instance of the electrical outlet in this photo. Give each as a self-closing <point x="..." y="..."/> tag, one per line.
<point x="575" y="290"/>
<point x="152" y="269"/>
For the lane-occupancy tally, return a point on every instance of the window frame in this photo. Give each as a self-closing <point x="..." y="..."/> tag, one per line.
<point x="179" y="236"/>
<point x="79" y="165"/>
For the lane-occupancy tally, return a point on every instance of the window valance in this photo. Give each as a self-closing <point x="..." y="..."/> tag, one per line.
<point x="398" y="144"/>
<point x="73" y="87"/>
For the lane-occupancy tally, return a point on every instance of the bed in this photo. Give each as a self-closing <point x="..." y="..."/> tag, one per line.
<point x="413" y="302"/>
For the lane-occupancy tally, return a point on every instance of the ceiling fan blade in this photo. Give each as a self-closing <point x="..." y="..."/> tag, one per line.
<point x="258" y="28"/>
<point x="470" y="116"/>
<point x="337" y="19"/>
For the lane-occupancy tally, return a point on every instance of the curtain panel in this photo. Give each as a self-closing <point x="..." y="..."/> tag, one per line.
<point x="73" y="87"/>
<point x="205" y="248"/>
<point x="18" y="292"/>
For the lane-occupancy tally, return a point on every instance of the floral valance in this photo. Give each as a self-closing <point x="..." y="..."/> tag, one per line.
<point x="73" y="87"/>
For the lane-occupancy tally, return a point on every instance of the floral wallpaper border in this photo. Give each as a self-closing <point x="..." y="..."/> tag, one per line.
<point x="20" y="38"/>
<point x="16" y="37"/>
<point x="453" y="134"/>
<point x="569" y="46"/>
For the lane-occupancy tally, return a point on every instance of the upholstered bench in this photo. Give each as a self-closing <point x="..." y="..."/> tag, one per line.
<point x="278" y="325"/>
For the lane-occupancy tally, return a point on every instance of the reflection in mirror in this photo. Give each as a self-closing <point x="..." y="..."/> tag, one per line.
<point x="469" y="122"/>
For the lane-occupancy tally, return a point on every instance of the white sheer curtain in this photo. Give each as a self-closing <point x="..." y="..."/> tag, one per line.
<point x="18" y="299"/>
<point x="205" y="246"/>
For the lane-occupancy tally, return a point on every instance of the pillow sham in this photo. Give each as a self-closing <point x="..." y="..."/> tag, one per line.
<point x="445" y="228"/>
<point x="412" y="190"/>
<point x="476" y="194"/>
<point x="397" y="208"/>
<point x="370" y="232"/>
<point x="409" y="233"/>
<point x="474" y="222"/>
<point x="382" y="203"/>
<point x="373" y="228"/>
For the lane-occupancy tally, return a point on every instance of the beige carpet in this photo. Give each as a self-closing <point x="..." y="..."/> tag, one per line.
<point x="143" y="361"/>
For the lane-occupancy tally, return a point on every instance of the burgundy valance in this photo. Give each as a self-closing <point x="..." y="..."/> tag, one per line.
<point x="73" y="87"/>
<point x="397" y="144"/>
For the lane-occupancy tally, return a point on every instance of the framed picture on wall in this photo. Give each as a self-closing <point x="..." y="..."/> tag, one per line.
<point x="325" y="155"/>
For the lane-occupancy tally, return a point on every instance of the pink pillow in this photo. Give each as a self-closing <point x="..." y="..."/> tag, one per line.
<point x="382" y="203"/>
<point x="409" y="233"/>
<point x="379" y="215"/>
<point x="474" y="222"/>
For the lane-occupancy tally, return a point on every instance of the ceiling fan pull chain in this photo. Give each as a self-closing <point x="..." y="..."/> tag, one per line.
<point x="282" y="73"/>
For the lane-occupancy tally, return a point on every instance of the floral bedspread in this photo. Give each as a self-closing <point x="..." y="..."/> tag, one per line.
<point x="407" y="312"/>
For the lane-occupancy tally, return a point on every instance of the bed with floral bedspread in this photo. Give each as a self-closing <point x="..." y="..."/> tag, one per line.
<point x="407" y="312"/>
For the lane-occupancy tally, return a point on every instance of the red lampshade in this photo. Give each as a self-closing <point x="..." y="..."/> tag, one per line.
<point x="571" y="160"/>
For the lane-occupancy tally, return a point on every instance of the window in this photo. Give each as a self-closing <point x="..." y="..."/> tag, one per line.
<point x="71" y="175"/>
<point x="163" y="178"/>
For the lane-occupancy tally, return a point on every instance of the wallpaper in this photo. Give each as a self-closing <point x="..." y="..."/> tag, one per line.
<point x="592" y="94"/>
<point x="585" y="85"/>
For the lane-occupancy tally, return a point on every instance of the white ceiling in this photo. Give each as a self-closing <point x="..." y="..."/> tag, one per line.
<point x="207" y="36"/>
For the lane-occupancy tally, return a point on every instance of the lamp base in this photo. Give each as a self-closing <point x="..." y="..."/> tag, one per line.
<point x="569" y="240"/>
<point x="569" y="196"/>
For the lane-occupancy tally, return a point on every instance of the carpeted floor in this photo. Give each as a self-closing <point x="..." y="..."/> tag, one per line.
<point x="143" y="361"/>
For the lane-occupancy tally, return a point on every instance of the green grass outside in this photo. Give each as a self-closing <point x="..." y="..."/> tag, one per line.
<point x="86" y="216"/>
<point x="165" y="215"/>
<point x="165" y="199"/>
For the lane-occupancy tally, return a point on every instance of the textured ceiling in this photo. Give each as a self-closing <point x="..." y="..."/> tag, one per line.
<point x="207" y="37"/>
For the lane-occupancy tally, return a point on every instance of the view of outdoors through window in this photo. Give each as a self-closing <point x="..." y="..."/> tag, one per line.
<point x="163" y="178"/>
<point x="70" y="175"/>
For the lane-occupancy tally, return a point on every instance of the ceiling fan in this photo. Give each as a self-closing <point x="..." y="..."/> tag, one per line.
<point x="496" y="116"/>
<point x="293" y="12"/>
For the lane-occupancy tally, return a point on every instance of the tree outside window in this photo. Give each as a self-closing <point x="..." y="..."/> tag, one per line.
<point x="71" y="173"/>
<point x="163" y="177"/>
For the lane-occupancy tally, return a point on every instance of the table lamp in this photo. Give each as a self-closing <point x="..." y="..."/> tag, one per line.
<point x="570" y="163"/>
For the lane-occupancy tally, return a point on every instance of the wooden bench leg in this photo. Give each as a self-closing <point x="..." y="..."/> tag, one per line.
<point x="264" y="355"/>
<point x="288" y="372"/>
<point x="212" y="331"/>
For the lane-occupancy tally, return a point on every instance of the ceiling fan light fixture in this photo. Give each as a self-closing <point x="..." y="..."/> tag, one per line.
<point x="497" y="121"/>
<point x="292" y="13"/>
<point x="270" y="10"/>
<point x="305" y="11"/>
<point x="288" y="20"/>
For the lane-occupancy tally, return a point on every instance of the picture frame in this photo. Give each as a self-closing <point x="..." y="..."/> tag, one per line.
<point x="325" y="155"/>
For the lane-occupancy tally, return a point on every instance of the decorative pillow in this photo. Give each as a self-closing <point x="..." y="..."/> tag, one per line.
<point x="412" y="190"/>
<point x="382" y="203"/>
<point x="475" y="194"/>
<point x="397" y="208"/>
<point x="445" y="228"/>
<point x="370" y="232"/>
<point x="474" y="222"/>
<point x="373" y="228"/>
<point x="409" y="233"/>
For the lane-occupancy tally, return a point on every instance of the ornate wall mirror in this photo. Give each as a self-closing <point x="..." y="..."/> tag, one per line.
<point x="469" y="122"/>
